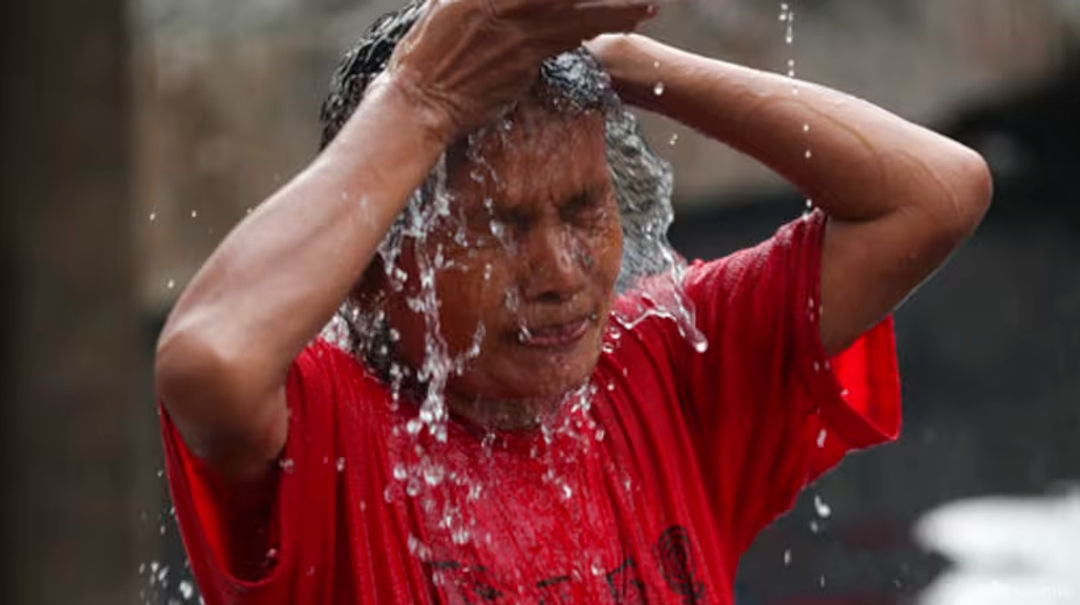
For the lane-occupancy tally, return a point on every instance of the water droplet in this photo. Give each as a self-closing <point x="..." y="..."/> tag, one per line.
<point x="674" y="139"/>
<point x="399" y="472"/>
<point x="823" y="510"/>
<point x="153" y="216"/>
<point x="340" y="465"/>
<point x="821" y="581"/>
<point x="194" y="213"/>
<point x="658" y="89"/>
<point x="186" y="589"/>
<point x="808" y="154"/>
<point x="459" y="536"/>
<point x="806" y="128"/>
<point x="787" y="557"/>
<point x="170" y="284"/>
<point x="821" y="438"/>
<point x="814" y="527"/>
<point x="433" y="474"/>
<point x="287" y="465"/>
<point x="523" y="334"/>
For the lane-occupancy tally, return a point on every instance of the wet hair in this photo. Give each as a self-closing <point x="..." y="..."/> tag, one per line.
<point x="571" y="81"/>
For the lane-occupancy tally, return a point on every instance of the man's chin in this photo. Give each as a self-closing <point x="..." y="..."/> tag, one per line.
<point x="555" y="385"/>
<point x="538" y="383"/>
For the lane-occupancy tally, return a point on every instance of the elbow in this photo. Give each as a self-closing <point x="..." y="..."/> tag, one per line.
<point x="188" y="370"/>
<point x="954" y="200"/>
<point x="969" y="192"/>
<point x="948" y="200"/>
<point x="222" y="413"/>
<point x="198" y="381"/>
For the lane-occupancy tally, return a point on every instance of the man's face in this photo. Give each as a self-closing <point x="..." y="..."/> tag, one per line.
<point x="532" y="249"/>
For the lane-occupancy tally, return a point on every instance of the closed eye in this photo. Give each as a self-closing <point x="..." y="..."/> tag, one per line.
<point x="586" y="205"/>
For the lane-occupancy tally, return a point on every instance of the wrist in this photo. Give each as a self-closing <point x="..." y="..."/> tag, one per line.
<point x="431" y="115"/>
<point x="634" y="70"/>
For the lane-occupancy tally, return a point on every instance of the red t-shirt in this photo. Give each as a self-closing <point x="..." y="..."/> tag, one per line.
<point x="650" y="494"/>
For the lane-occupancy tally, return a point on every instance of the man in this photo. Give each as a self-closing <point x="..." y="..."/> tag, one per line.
<point x="507" y="429"/>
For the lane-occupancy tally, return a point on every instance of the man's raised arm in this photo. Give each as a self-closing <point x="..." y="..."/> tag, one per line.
<point x="899" y="197"/>
<point x="278" y="277"/>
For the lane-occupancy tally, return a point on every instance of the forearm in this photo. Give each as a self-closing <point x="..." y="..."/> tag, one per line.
<point x="855" y="160"/>
<point x="281" y="273"/>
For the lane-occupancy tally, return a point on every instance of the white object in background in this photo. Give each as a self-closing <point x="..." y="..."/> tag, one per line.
<point x="1005" y="550"/>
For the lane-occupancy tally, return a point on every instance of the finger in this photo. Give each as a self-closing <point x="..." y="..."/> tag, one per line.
<point x="604" y="18"/>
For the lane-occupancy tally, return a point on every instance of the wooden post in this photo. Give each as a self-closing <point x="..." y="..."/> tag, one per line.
<point x="72" y="379"/>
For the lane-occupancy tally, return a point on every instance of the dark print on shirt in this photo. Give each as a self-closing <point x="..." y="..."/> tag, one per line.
<point x="626" y="585"/>
<point x="555" y="591"/>
<point x="464" y="584"/>
<point x="676" y="558"/>
<point x="674" y="555"/>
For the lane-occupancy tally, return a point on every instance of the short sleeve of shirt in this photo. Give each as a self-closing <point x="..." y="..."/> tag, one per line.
<point x="307" y="500"/>
<point x="769" y="410"/>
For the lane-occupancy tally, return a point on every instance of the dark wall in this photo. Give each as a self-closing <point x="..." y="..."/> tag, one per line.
<point x="68" y="318"/>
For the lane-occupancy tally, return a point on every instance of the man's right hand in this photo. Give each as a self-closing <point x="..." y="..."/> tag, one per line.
<point x="467" y="59"/>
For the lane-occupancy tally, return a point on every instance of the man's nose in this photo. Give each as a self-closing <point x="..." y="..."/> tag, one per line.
<point x="554" y="266"/>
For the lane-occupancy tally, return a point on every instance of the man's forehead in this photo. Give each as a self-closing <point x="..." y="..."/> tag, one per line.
<point x="534" y="123"/>
<point x="543" y="155"/>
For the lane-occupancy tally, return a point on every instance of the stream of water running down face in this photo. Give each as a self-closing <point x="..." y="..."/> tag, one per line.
<point x="452" y="496"/>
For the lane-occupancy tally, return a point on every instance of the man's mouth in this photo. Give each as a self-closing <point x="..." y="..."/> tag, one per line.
<point x="555" y="335"/>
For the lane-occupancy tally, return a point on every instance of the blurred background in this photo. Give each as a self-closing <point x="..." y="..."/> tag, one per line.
<point x="135" y="133"/>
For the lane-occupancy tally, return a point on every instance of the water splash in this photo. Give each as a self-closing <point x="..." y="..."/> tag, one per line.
<point x="450" y="497"/>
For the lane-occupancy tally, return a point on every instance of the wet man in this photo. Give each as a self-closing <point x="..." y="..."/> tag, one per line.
<point x="594" y="451"/>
